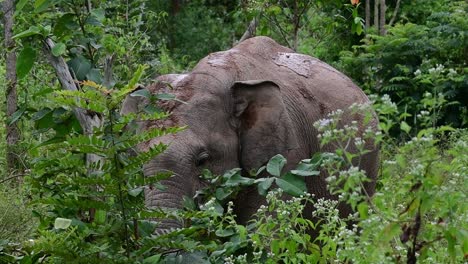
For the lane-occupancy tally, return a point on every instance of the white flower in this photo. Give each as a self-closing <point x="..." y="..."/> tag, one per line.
<point x="452" y="73"/>
<point x="417" y="72"/>
<point x="324" y="122"/>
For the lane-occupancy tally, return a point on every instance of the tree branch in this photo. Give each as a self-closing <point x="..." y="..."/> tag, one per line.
<point x="87" y="120"/>
<point x="397" y="6"/>
<point x="251" y="29"/>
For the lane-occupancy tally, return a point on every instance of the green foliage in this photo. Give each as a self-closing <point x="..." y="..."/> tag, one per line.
<point x="16" y="217"/>
<point x="90" y="210"/>
<point x="418" y="65"/>
<point x="418" y="212"/>
<point x="94" y="212"/>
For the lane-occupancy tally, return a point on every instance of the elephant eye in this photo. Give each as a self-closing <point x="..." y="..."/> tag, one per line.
<point x="202" y="158"/>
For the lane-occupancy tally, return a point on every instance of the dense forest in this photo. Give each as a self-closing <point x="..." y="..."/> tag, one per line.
<point x="72" y="191"/>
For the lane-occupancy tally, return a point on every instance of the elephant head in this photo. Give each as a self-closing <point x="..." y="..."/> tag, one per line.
<point x="229" y="124"/>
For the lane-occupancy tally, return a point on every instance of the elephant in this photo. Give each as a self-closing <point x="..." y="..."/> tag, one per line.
<point x="241" y="107"/>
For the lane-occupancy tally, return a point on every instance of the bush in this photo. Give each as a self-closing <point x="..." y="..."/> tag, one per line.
<point x="417" y="65"/>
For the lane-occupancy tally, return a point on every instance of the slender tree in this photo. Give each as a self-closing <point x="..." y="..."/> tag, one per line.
<point x="395" y="12"/>
<point x="376" y="13"/>
<point x="12" y="131"/>
<point x="383" y="9"/>
<point x="368" y="15"/>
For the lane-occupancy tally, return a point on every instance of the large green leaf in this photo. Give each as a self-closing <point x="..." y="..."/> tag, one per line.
<point x="16" y="115"/>
<point x="65" y="25"/>
<point x="20" y="5"/>
<point x="62" y="223"/>
<point x="306" y="169"/>
<point x="33" y="30"/>
<point x="275" y="165"/>
<point x="239" y="180"/>
<point x="59" y="49"/>
<point x="80" y="66"/>
<point x="264" y="185"/>
<point x="292" y="184"/>
<point x="41" y="5"/>
<point x="25" y="62"/>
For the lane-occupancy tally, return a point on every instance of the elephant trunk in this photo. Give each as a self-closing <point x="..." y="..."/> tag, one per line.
<point x="170" y="198"/>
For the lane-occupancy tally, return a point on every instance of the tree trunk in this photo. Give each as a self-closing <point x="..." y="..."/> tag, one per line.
<point x="88" y="121"/>
<point x="367" y="15"/>
<point x="12" y="131"/>
<point x="383" y="9"/>
<point x="376" y="14"/>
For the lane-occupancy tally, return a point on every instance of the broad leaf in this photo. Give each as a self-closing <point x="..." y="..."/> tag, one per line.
<point x="80" y="66"/>
<point x="16" y="115"/>
<point x="33" y="30"/>
<point x="25" y="62"/>
<point x="239" y="180"/>
<point x="275" y="165"/>
<point x="306" y="169"/>
<point x="292" y="184"/>
<point x="59" y="49"/>
<point x="141" y="93"/>
<point x="62" y="223"/>
<point x="264" y="185"/>
<point x="222" y="194"/>
<point x="41" y="5"/>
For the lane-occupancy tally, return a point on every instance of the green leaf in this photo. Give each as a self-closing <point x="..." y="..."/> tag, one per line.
<point x="152" y="259"/>
<point x="62" y="223"/>
<point x="25" y="62"/>
<point x="292" y="184"/>
<point x="41" y="5"/>
<point x="100" y="217"/>
<point x="275" y="165"/>
<point x="80" y="66"/>
<point x="165" y="96"/>
<point x="16" y="115"/>
<point x="99" y="14"/>
<point x="40" y="114"/>
<point x="135" y="192"/>
<point x="225" y="232"/>
<point x="306" y="169"/>
<point x="405" y="127"/>
<point x="237" y="180"/>
<point x="94" y="75"/>
<point x="264" y="185"/>
<point x="222" y="194"/>
<point x="390" y="231"/>
<point x="363" y="210"/>
<point x="141" y="93"/>
<point x="65" y="25"/>
<point x="59" y="49"/>
<point x="33" y="30"/>
<point x="20" y="5"/>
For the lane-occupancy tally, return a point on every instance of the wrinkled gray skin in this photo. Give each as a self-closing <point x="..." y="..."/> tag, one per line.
<point x="244" y="106"/>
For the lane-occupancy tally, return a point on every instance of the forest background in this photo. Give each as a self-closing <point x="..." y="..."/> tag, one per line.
<point x="57" y="206"/>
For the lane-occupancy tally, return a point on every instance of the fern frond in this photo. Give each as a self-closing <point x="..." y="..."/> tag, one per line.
<point x="144" y="157"/>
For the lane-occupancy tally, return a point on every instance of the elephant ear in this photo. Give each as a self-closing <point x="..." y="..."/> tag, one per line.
<point x="264" y="126"/>
<point x="134" y="104"/>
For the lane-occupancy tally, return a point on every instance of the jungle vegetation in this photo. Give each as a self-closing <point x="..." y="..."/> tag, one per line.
<point x="71" y="193"/>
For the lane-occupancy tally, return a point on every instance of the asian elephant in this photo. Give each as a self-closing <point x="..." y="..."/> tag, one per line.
<point x="243" y="106"/>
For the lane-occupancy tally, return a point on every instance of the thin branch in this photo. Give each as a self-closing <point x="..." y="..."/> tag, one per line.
<point x="87" y="121"/>
<point x="281" y="31"/>
<point x="397" y="6"/>
<point x="13" y="177"/>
